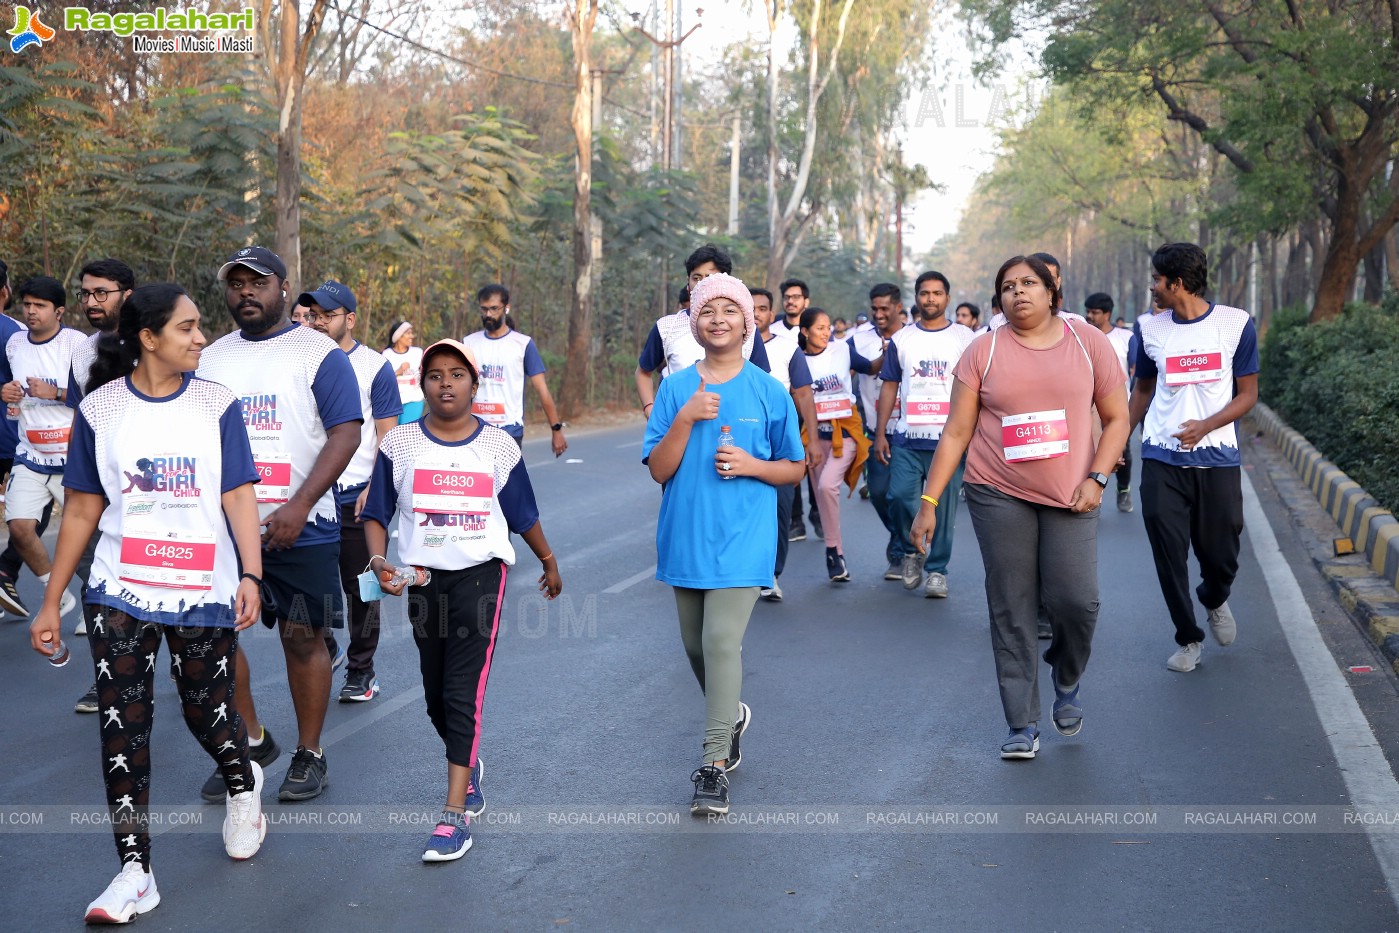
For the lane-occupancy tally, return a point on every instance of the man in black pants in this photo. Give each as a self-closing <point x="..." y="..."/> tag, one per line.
<point x="1197" y="373"/>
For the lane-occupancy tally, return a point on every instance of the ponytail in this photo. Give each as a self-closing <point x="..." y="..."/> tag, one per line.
<point x="149" y="307"/>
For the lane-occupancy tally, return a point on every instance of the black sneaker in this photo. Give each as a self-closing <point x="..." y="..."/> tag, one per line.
<point x="360" y="687"/>
<point x="816" y="528"/>
<point x="711" y="791"/>
<point x="9" y="598"/>
<point x="797" y="532"/>
<point x="745" y="719"/>
<point x="835" y="566"/>
<point x="306" y="778"/>
<point x="88" y="703"/>
<point x="214" y="790"/>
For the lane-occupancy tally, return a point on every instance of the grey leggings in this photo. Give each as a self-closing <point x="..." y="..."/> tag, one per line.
<point x="712" y="623"/>
<point x="1031" y="553"/>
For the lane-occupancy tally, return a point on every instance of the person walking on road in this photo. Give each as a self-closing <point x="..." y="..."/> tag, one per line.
<point x="407" y="361"/>
<point x="159" y="459"/>
<point x="838" y="429"/>
<point x="1097" y="308"/>
<point x="1022" y="407"/>
<point x="886" y="310"/>
<point x="508" y="359"/>
<point x="1197" y="374"/>
<point x="459" y="488"/>
<point x="918" y="370"/>
<point x="301" y="410"/>
<point x="331" y="309"/>
<point x="721" y="438"/>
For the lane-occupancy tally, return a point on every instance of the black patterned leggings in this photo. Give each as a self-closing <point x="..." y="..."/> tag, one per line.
<point x="124" y="653"/>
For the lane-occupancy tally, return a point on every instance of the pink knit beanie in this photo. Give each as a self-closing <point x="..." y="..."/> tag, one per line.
<point x="721" y="285"/>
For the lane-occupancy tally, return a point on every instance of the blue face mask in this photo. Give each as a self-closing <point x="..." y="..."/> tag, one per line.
<point x="369" y="589"/>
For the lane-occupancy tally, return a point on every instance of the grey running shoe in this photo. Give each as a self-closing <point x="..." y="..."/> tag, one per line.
<point x="912" y="571"/>
<point x="936" y="587"/>
<point x="1222" y="625"/>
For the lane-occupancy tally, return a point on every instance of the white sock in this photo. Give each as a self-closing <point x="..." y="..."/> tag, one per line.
<point x="44" y="579"/>
<point x="260" y="739"/>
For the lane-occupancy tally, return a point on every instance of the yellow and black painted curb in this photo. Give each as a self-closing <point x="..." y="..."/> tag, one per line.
<point x="1369" y="529"/>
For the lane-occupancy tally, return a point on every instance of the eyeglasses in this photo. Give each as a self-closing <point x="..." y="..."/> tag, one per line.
<point x="311" y="317"/>
<point x="97" y="294"/>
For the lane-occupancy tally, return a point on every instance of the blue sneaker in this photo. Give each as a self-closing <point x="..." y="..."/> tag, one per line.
<point x="1021" y="743"/>
<point x="475" y="800"/>
<point x="835" y="566"/>
<point x="450" y="840"/>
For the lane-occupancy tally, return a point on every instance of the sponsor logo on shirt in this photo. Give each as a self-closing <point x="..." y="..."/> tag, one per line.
<point x="829" y="383"/>
<point x="930" y="369"/>
<point x="493" y="371"/>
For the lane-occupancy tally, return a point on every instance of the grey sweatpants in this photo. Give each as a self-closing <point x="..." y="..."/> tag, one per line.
<point x="1033" y="552"/>
<point x="712" y="623"/>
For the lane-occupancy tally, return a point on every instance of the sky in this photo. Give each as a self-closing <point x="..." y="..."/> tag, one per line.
<point x="950" y="125"/>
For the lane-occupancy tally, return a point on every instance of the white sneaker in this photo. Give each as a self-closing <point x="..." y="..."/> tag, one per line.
<point x="1222" y="625"/>
<point x="67" y="604"/>
<point x="131" y="892"/>
<point x="1185" y="658"/>
<point x="935" y="587"/>
<point x="244" y="826"/>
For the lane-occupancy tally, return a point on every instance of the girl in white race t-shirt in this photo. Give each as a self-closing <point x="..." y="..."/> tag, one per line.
<point x="460" y="489"/>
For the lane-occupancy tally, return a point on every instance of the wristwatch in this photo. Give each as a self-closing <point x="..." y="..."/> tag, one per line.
<point x="559" y="427"/>
<point x="1100" y="478"/>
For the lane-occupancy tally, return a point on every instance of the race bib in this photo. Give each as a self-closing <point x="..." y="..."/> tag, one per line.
<point x="1190" y="363"/>
<point x="452" y="492"/>
<point x="48" y="440"/>
<point x="177" y="560"/>
<point x="831" y="408"/>
<point x="929" y="402"/>
<point x="274" y="478"/>
<point x="1037" y="435"/>
<point x="489" y="412"/>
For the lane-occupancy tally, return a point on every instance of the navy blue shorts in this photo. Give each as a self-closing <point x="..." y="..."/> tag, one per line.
<point x="301" y="586"/>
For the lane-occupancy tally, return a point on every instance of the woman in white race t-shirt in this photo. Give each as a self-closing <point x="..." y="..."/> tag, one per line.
<point x="406" y="361"/>
<point x="160" y="459"/>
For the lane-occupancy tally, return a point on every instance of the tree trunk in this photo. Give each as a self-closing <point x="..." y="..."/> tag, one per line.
<point x="573" y="391"/>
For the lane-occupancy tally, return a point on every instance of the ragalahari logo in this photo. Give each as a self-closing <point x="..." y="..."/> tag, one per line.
<point x="29" y="30"/>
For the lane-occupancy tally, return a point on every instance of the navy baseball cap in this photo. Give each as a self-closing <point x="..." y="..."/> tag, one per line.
<point x="332" y="296"/>
<point x="258" y="258"/>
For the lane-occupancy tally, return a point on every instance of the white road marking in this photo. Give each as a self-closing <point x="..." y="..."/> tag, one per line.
<point x="1361" y="761"/>
<point x="648" y="574"/>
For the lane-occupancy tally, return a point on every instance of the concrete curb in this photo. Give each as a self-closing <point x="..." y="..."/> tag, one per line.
<point x="1369" y="591"/>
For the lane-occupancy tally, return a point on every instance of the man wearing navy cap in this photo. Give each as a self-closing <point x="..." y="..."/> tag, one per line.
<point x="330" y="309"/>
<point x="301" y="410"/>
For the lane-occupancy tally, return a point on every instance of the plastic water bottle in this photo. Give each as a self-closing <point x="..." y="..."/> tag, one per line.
<point x="726" y="439"/>
<point x="60" y="655"/>
<point x="413" y="576"/>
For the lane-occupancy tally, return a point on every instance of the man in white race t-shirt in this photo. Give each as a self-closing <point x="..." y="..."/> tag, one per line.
<point x="302" y="412"/>
<point x="506" y="360"/>
<point x="1197" y="374"/>
<point x="39" y="361"/>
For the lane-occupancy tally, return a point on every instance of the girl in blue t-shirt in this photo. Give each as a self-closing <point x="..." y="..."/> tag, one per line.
<point x="162" y="460"/>
<point x="722" y="436"/>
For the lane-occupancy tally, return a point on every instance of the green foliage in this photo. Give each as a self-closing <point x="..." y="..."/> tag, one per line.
<point x="1337" y="383"/>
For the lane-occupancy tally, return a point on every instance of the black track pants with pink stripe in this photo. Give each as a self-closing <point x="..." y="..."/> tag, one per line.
<point x="455" y="619"/>
<point x="124" y="651"/>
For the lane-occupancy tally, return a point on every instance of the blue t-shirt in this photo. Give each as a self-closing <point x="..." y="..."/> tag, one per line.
<point x="715" y="533"/>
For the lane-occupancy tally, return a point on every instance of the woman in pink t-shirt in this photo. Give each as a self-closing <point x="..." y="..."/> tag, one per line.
<point x="1022" y="407"/>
